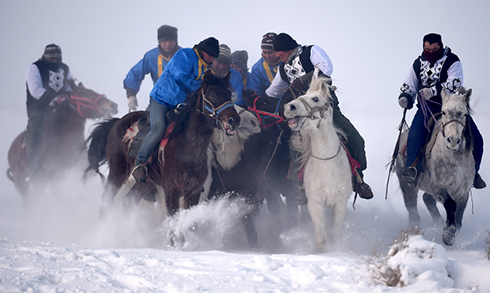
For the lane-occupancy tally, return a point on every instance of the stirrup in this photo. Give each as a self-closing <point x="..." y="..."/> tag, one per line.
<point x="410" y="175"/>
<point x="139" y="173"/>
<point x="364" y="190"/>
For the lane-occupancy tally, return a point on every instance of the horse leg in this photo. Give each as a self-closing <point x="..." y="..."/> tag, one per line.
<point x="431" y="205"/>
<point x="460" y="208"/>
<point x="318" y="217"/>
<point x="450" y="230"/>
<point x="410" y="199"/>
<point x="338" y="215"/>
<point x="250" y="231"/>
<point x="191" y="200"/>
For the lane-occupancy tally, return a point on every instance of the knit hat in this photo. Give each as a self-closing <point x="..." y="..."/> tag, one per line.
<point x="166" y="32"/>
<point x="52" y="51"/>
<point x="210" y="46"/>
<point x="224" y="54"/>
<point x="240" y="58"/>
<point x="267" y="41"/>
<point x="284" y="42"/>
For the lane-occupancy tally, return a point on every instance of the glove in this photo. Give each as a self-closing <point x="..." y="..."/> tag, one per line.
<point x="405" y="103"/>
<point x="132" y="103"/>
<point x="425" y="93"/>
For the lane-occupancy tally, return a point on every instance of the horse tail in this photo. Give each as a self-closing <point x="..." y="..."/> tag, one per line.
<point x="96" y="144"/>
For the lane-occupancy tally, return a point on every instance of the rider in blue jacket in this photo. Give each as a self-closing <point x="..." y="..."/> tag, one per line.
<point x="182" y="75"/>
<point x="264" y="70"/>
<point x="221" y="66"/>
<point x="153" y="63"/>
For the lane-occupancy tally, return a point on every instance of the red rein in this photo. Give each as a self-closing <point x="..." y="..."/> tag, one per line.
<point x="258" y="112"/>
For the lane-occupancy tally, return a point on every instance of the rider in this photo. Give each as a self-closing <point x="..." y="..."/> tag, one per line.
<point x="153" y="62"/>
<point x="299" y="63"/>
<point x="181" y="76"/>
<point x="221" y="66"/>
<point x="265" y="69"/>
<point x="437" y="68"/>
<point x="239" y="63"/>
<point x="48" y="80"/>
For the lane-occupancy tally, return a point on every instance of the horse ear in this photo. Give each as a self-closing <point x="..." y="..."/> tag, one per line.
<point x="228" y="76"/>
<point x="467" y="95"/>
<point x="208" y="76"/>
<point x="443" y="94"/>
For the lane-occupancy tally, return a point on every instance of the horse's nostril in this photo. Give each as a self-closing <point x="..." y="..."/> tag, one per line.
<point x="448" y="140"/>
<point x="293" y="107"/>
<point x="458" y="141"/>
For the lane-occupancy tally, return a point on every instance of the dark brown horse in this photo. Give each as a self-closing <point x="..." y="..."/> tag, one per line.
<point x="265" y="164"/>
<point x="63" y="134"/>
<point x="182" y="168"/>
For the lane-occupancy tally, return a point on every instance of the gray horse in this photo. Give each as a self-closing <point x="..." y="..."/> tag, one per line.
<point x="449" y="167"/>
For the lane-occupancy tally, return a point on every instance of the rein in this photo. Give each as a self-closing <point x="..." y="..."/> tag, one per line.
<point x="258" y="113"/>
<point x="78" y="103"/>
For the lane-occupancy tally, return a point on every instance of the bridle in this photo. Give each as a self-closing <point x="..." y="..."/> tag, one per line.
<point x="211" y="110"/>
<point x="80" y="103"/>
<point x="453" y="121"/>
<point x="260" y="113"/>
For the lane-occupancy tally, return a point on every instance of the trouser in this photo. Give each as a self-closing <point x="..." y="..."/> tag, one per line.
<point x="158" y="126"/>
<point x="33" y="139"/>
<point x="418" y="134"/>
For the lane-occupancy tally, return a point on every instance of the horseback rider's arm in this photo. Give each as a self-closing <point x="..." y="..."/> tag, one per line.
<point x="320" y="60"/>
<point x="408" y="90"/>
<point x="454" y="77"/>
<point x="277" y="87"/>
<point x="34" y="82"/>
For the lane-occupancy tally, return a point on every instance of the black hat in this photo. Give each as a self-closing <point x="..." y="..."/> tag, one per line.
<point x="240" y="58"/>
<point x="284" y="42"/>
<point x="267" y="41"/>
<point x="166" y="32"/>
<point x="52" y="51"/>
<point x="210" y="46"/>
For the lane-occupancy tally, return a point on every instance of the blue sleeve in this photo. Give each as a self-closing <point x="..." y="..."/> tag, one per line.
<point x="136" y="75"/>
<point x="185" y="72"/>
<point x="236" y="83"/>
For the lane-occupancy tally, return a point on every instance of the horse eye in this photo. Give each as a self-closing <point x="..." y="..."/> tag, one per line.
<point x="315" y="99"/>
<point x="443" y="113"/>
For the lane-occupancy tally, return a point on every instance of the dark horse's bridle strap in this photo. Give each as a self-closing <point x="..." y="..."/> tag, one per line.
<point x="258" y="113"/>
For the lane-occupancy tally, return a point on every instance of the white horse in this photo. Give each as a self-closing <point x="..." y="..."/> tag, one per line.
<point x="449" y="167"/>
<point x="327" y="172"/>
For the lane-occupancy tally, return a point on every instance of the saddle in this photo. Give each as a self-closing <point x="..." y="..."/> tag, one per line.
<point x="137" y="132"/>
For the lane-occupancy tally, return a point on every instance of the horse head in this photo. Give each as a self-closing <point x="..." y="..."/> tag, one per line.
<point x="92" y="105"/>
<point x="455" y="114"/>
<point x="215" y="102"/>
<point x="314" y="104"/>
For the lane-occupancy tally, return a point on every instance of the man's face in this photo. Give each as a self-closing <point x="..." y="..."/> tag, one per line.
<point x="168" y="45"/>
<point x="431" y="48"/>
<point x="269" y="56"/>
<point x="220" y="68"/>
<point x="283" y="55"/>
<point x="207" y="58"/>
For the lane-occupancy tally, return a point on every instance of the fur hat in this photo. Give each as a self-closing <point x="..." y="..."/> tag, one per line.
<point x="284" y="42"/>
<point x="166" y="32"/>
<point x="210" y="46"/>
<point x="52" y="51"/>
<point x="240" y="58"/>
<point x="224" y="54"/>
<point x="267" y="41"/>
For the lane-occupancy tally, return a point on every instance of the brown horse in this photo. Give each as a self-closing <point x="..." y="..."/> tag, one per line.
<point x="182" y="168"/>
<point x="63" y="134"/>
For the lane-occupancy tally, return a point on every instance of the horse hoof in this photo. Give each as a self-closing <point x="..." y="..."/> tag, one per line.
<point x="448" y="235"/>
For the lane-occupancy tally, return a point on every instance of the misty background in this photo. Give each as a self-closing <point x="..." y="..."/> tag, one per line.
<point x="372" y="45"/>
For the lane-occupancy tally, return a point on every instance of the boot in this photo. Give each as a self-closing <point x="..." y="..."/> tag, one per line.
<point x="478" y="182"/>
<point x="364" y="190"/>
<point x="139" y="172"/>
<point x="410" y="175"/>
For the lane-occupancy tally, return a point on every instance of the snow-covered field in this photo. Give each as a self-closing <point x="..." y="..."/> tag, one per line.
<point x="60" y="244"/>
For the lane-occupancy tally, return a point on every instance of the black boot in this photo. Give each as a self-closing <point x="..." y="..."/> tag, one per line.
<point x="363" y="189"/>
<point x="478" y="182"/>
<point x="410" y="175"/>
<point x="139" y="172"/>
